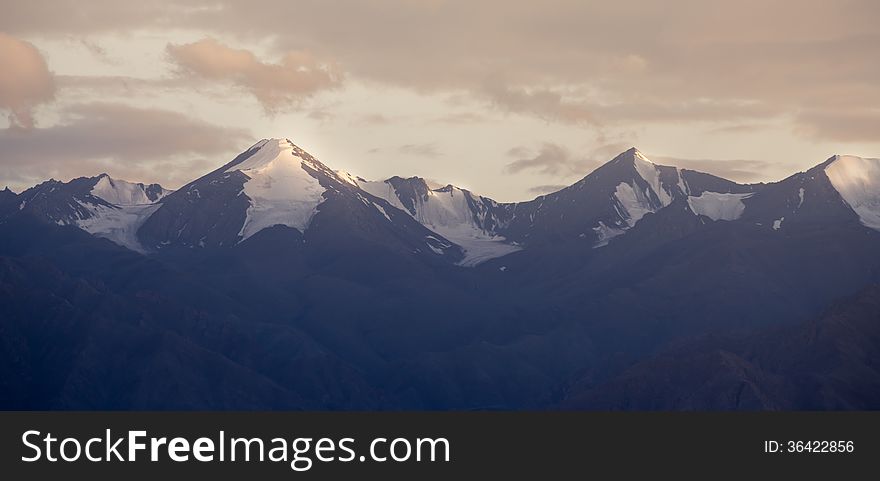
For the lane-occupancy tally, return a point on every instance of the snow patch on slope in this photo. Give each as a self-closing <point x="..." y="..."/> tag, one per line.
<point x="119" y="225"/>
<point x="446" y="209"/>
<point x="777" y="224"/>
<point x="120" y="192"/>
<point x="280" y="189"/>
<point x="717" y="206"/>
<point x="634" y="202"/>
<point x="382" y="190"/>
<point x="448" y="212"/>
<point x="479" y="249"/>
<point x="604" y="234"/>
<point x="651" y="174"/>
<point x="382" y="210"/>
<point x="857" y="180"/>
<point x="682" y="184"/>
<point x="348" y="177"/>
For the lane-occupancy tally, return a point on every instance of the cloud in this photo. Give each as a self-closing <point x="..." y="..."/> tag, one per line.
<point x="738" y="170"/>
<point x="750" y="59"/>
<point x="542" y="103"/>
<point x="275" y="85"/>
<point x="321" y="114"/>
<point x="459" y="118"/>
<point x="122" y="86"/>
<point x="421" y="150"/>
<point x="25" y="80"/>
<point x="552" y="159"/>
<point x="95" y="49"/>
<point x="853" y="125"/>
<point x="546" y="189"/>
<point x="737" y="128"/>
<point x="626" y="66"/>
<point x="148" y="145"/>
<point x="92" y="16"/>
<point x="374" y="119"/>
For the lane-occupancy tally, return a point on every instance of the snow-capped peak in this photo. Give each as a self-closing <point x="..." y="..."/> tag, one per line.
<point x="857" y="180"/>
<point x="650" y="172"/>
<point x="644" y="194"/>
<point x="280" y="188"/>
<point x="268" y="152"/>
<point x="639" y="155"/>
<point x="121" y="192"/>
<point x="627" y="154"/>
<point x="131" y="205"/>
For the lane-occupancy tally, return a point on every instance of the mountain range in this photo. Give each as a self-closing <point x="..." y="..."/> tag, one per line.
<point x="277" y="282"/>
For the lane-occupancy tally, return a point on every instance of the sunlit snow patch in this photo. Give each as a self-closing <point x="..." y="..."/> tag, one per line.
<point x="118" y="224"/>
<point x="120" y="192"/>
<point x="447" y="212"/>
<point x="858" y="182"/>
<point x="280" y="190"/>
<point x="649" y="172"/>
<point x="717" y="206"/>
<point x="382" y="190"/>
<point x="635" y="202"/>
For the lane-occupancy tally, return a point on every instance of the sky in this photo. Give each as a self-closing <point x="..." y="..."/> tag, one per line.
<point x="510" y="99"/>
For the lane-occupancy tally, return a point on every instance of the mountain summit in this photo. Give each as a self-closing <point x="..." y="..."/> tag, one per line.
<point x="282" y="186"/>
<point x="858" y="182"/>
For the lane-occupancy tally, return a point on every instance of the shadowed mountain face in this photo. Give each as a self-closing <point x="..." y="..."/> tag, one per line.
<point x="276" y="282"/>
<point x="832" y="362"/>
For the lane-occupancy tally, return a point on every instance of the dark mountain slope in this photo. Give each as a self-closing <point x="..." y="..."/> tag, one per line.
<point x="829" y="363"/>
<point x="115" y="296"/>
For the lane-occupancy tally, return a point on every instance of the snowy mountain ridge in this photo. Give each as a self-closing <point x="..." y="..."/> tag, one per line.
<point x="130" y="205"/>
<point x="460" y="216"/>
<point x="121" y="192"/>
<point x="101" y="205"/>
<point x="636" y="201"/>
<point x="275" y="182"/>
